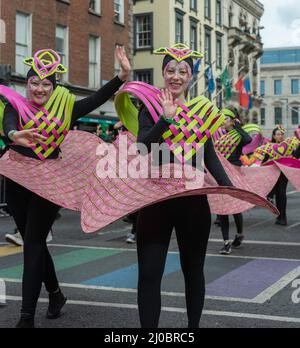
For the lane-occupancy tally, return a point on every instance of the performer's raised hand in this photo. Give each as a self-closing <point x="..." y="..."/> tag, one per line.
<point x="124" y="63"/>
<point x="28" y="137"/>
<point x="168" y="103"/>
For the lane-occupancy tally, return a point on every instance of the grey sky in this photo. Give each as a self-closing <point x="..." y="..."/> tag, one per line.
<point x="282" y="23"/>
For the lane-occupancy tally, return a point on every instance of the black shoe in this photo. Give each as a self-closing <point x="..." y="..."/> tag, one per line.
<point x="26" y="322"/>
<point x="238" y="240"/>
<point x="226" y="250"/>
<point x="217" y="222"/>
<point x="56" y="303"/>
<point x="127" y="219"/>
<point x="281" y="221"/>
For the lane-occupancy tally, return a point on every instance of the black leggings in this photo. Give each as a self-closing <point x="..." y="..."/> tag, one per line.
<point x="34" y="216"/>
<point x="191" y="218"/>
<point x="280" y="193"/>
<point x="224" y="220"/>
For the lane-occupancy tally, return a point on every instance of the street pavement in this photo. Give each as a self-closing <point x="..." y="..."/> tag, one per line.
<point x="257" y="286"/>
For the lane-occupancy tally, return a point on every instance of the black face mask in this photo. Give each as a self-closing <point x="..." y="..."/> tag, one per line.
<point x="168" y="59"/>
<point x="51" y="78"/>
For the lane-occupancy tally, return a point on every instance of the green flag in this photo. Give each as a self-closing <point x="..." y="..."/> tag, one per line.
<point x="226" y="82"/>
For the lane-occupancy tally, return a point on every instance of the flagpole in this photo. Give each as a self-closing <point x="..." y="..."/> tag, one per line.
<point x="221" y="91"/>
<point x="202" y="75"/>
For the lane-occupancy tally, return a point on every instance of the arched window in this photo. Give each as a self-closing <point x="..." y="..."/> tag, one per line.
<point x="254" y="28"/>
<point x="241" y="19"/>
<point x="246" y="63"/>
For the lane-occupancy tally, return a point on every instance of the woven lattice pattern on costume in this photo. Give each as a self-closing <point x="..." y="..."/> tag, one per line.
<point x="278" y="151"/>
<point x="53" y="120"/>
<point x="198" y="119"/>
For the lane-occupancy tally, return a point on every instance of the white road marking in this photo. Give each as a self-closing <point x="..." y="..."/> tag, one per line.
<point x="134" y="291"/>
<point x="295" y="225"/>
<point x="291" y="193"/>
<point x="260" y="299"/>
<point x="252" y="316"/>
<point x="260" y="242"/>
<point x="173" y="310"/>
<point x="175" y="252"/>
<point x="123" y="230"/>
<point x="267" y="294"/>
<point x="259" y="223"/>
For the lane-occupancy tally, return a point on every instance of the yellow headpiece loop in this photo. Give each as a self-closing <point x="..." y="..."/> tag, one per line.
<point x="280" y="128"/>
<point x="229" y="113"/>
<point x="46" y="63"/>
<point x="179" y="52"/>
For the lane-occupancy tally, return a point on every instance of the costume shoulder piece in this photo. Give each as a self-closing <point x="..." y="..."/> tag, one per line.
<point x="227" y="142"/>
<point x="278" y="151"/>
<point x="53" y="120"/>
<point x="196" y="121"/>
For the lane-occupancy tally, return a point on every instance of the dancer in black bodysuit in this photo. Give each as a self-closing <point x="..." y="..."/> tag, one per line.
<point x="190" y="216"/>
<point x="33" y="214"/>
<point x="233" y="122"/>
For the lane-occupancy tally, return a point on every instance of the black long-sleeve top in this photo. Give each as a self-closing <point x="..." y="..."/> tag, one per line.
<point x="237" y="153"/>
<point x="81" y="108"/>
<point x="151" y="133"/>
<point x="296" y="153"/>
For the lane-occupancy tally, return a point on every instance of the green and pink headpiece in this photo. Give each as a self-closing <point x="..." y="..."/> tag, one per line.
<point x="46" y="63"/>
<point x="178" y="52"/>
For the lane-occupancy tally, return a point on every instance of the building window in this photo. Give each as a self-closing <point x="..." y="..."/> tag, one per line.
<point x="179" y="28"/>
<point x="255" y="117"/>
<point x="194" y="5"/>
<point x="277" y="87"/>
<point x="95" y="6"/>
<point x="23" y="41"/>
<point x="117" y="65"/>
<point x="144" y="76"/>
<point x="207" y="46"/>
<point x="143" y="31"/>
<point x="295" y="116"/>
<point x="193" y="36"/>
<point x="219" y="51"/>
<point x="207" y="9"/>
<point x="62" y="47"/>
<point x="230" y="17"/>
<point x="2" y="32"/>
<point x="94" y="62"/>
<point x="119" y="11"/>
<point x="263" y="116"/>
<point x="218" y="12"/>
<point x="278" y="116"/>
<point x="262" y="88"/>
<point x="295" y="86"/>
<point x="207" y="93"/>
